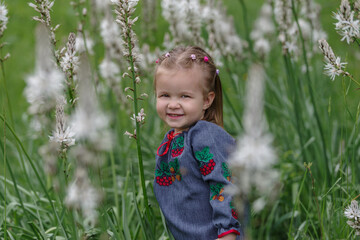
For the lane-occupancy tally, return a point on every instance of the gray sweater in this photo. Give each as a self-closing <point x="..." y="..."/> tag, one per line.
<point x="190" y="176"/>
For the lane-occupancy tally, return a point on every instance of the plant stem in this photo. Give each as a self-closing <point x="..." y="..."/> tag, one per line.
<point x="316" y="200"/>
<point x="136" y="108"/>
<point x="296" y="203"/>
<point x="246" y="25"/>
<point x="291" y="79"/>
<point x="4" y="155"/>
<point x="37" y="175"/>
<point x="116" y="199"/>
<point x="317" y="118"/>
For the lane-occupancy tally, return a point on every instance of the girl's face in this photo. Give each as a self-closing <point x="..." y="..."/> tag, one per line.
<point x="180" y="100"/>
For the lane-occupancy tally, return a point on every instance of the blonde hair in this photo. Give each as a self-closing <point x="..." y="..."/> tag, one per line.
<point x="182" y="57"/>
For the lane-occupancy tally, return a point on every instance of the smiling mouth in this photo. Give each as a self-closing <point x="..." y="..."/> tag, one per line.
<point x="174" y="115"/>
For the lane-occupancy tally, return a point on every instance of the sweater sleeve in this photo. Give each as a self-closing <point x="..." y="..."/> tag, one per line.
<point x="211" y="145"/>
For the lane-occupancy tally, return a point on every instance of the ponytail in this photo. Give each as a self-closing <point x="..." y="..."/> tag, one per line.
<point x="215" y="112"/>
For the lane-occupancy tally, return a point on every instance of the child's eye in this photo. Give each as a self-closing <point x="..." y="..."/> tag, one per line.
<point x="185" y="96"/>
<point x="164" y="95"/>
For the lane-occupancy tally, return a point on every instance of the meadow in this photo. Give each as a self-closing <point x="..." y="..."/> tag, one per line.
<point x="79" y="128"/>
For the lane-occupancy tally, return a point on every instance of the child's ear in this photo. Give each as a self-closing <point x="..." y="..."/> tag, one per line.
<point x="208" y="100"/>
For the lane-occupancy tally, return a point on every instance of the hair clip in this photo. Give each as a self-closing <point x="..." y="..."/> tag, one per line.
<point x="193" y="56"/>
<point x="206" y="59"/>
<point x="217" y="71"/>
<point x="167" y="54"/>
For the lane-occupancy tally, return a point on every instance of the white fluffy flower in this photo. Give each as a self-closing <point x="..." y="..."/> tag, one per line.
<point x="352" y="212"/>
<point x="222" y="32"/>
<point x="253" y="160"/>
<point x="63" y="134"/>
<point x="69" y="61"/>
<point x="262" y="46"/>
<point x="88" y="121"/>
<point x="109" y="69"/>
<point x="3" y="17"/>
<point x="43" y="88"/>
<point x="109" y="31"/>
<point x="175" y="12"/>
<point x="346" y="26"/>
<point x="102" y="4"/>
<point x="80" y="44"/>
<point x="82" y="196"/>
<point x="263" y="24"/>
<point x="333" y="70"/>
<point x="334" y="67"/>
<point x="140" y="117"/>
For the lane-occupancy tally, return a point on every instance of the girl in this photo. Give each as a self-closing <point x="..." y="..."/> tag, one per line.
<point x="191" y="170"/>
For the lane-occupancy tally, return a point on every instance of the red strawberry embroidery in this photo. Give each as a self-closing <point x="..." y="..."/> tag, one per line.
<point x="216" y="192"/>
<point x="177" y="147"/>
<point x="163" y="176"/>
<point x="206" y="161"/>
<point x="233" y="211"/>
<point x="226" y="171"/>
<point x="166" y="174"/>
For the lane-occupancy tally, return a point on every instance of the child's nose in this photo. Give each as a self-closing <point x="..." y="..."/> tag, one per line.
<point x="174" y="103"/>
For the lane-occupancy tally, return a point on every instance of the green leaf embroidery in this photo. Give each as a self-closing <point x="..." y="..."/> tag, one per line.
<point x="204" y="155"/>
<point x="178" y="143"/>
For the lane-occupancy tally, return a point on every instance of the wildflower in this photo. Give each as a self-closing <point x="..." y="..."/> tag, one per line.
<point x="357" y="5"/>
<point x="83" y="45"/>
<point x="70" y="62"/>
<point x="140" y="117"/>
<point x="346" y="26"/>
<point x="252" y="161"/>
<point x="43" y="7"/>
<point x="175" y="13"/>
<point x="101" y="4"/>
<point x="334" y="66"/>
<point x="124" y="10"/>
<point x="88" y="121"/>
<point x="130" y="135"/>
<point x="194" y="21"/>
<point x="46" y="84"/>
<point x="352" y="212"/>
<point x="109" y="69"/>
<point x="311" y="12"/>
<point x="82" y="196"/>
<point x="3" y="18"/>
<point x="111" y="33"/>
<point x="262" y="46"/>
<point x="263" y="28"/>
<point x="333" y="70"/>
<point x="222" y="32"/>
<point x="63" y="134"/>
<point x="49" y="152"/>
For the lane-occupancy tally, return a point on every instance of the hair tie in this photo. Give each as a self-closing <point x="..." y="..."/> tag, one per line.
<point x="217" y="71"/>
<point x="157" y="61"/>
<point x="167" y="54"/>
<point x="206" y="59"/>
<point x="193" y="56"/>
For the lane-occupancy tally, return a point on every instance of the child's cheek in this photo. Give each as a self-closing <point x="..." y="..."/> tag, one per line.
<point x="160" y="107"/>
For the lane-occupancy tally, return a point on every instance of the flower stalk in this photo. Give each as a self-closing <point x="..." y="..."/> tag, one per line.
<point x="334" y="67"/>
<point x="124" y="10"/>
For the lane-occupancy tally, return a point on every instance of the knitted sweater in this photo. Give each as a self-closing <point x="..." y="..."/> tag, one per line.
<point x="190" y="176"/>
